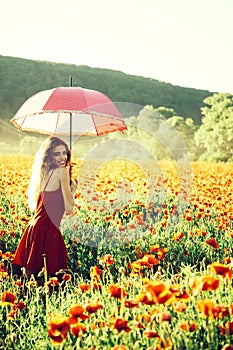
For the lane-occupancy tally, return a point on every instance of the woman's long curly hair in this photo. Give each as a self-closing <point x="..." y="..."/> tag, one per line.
<point x="43" y="163"/>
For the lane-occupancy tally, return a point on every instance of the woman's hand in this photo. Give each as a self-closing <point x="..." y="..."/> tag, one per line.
<point x="74" y="185"/>
<point x="69" y="213"/>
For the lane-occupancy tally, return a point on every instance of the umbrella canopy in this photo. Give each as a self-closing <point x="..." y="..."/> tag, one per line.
<point x="69" y="111"/>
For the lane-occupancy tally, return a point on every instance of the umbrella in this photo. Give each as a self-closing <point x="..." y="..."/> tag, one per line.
<point x="69" y="111"/>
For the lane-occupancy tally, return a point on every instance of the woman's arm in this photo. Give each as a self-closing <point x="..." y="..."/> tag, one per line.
<point x="66" y="190"/>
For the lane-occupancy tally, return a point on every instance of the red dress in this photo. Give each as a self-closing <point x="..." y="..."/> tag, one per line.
<point x="43" y="236"/>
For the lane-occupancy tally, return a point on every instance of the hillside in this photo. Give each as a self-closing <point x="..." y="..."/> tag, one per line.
<point x="20" y="78"/>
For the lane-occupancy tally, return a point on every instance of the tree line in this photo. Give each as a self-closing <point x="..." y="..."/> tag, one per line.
<point x="169" y="119"/>
<point x="21" y="78"/>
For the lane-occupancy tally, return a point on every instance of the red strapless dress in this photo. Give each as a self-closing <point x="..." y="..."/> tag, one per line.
<point x="43" y="236"/>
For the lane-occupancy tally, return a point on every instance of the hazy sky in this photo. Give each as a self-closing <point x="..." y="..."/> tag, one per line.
<point x="182" y="42"/>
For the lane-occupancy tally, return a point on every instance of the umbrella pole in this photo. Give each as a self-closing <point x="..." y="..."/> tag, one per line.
<point x="70" y="145"/>
<point x="70" y="81"/>
<point x="70" y="84"/>
<point x="70" y="131"/>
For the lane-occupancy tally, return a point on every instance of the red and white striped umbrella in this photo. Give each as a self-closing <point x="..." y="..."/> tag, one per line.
<point x="69" y="111"/>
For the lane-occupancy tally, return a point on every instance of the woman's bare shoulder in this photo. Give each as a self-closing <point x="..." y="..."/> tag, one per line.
<point x="63" y="170"/>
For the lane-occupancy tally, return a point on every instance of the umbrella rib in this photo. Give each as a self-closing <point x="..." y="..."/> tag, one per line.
<point x="94" y="124"/>
<point x="20" y="126"/>
<point x="55" y="129"/>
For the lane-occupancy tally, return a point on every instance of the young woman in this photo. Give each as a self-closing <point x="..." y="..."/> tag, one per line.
<point x="50" y="195"/>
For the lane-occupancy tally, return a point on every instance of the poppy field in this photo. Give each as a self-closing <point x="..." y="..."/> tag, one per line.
<point x="150" y="265"/>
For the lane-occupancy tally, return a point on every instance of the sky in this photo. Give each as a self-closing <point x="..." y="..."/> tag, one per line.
<point x="183" y="42"/>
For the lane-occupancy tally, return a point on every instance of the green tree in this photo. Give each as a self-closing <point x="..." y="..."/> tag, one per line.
<point x="164" y="134"/>
<point x="166" y="112"/>
<point x="215" y="135"/>
<point x="186" y="130"/>
<point x="30" y="144"/>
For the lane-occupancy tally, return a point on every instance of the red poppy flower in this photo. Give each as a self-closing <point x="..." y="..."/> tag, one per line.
<point x="120" y="324"/>
<point x="8" y="298"/>
<point x="151" y="334"/>
<point x="145" y="299"/>
<point x="58" y="328"/>
<point x="160" y="252"/>
<point x="96" y="272"/>
<point x="221" y="269"/>
<point x="149" y="260"/>
<point x="97" y="286"/>
<point x="75" y="312"/>
<point x="66" y="277"/>
<point x="131" y="303"/>
<point x="188" y="215"/>
<point x="221" y="311"/>
<point x="178" y="236"/>
<point x="78" y="329"/>
<point x="227" y="347"/>
<point x="106" y="259"/>
<point x="92" y="308"/>
<point x="179" y="292"/>
<point x="189" y="326"/>
<point x="53" y="281"/>
<point x="166" y="317"/>
<point x="20" y="305"/>
<point x="180" y="307"/>
<point x="12" y="315"/>
<point x="206" y="307"/>
<point x="84" y="287"/>
<point x="157" y="292"/>
<point x="212" y="242"/>
<point x="131" y="226"/>
<point x="206" y="282"/>
<point x="116" y="291"/>
<point x="226" y="329"/>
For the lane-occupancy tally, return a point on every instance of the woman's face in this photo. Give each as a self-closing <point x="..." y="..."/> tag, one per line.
<point x="60" y="156"/>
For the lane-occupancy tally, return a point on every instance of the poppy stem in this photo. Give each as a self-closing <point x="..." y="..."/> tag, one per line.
<point x="46" y="285"/>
